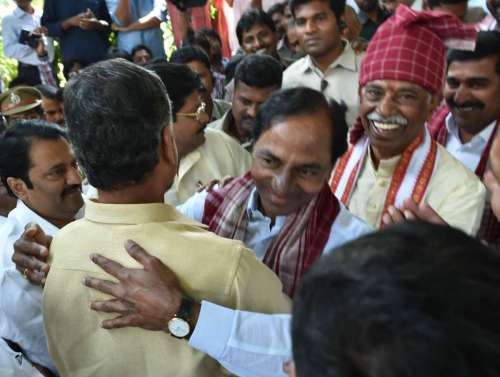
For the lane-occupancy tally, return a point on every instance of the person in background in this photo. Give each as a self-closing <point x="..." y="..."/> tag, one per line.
<point x="25" y="41"/>
<point x="277" y="13"/>
<point x="371" y="15"/>
<point x="21" y="102"/>
<point x="52" y="104"/>
<point x="459" y="8"/>
<point x="141" y="54"/>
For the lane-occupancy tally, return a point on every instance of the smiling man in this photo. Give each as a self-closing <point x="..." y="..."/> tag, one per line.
<point x="38" y="167"/>
<point x="393" y="163"/>
<point x="466" y="126"/>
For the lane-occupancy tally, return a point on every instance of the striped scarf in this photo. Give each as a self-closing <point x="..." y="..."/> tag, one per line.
<point x="300" y="241"/>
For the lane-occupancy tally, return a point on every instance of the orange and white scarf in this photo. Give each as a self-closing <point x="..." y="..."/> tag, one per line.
<point x="410" y="179"/>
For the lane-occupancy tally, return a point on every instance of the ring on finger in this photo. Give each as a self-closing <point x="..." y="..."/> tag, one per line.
<point x="25" y="273"/>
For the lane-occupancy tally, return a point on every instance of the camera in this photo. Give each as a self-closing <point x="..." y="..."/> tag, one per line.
<point x="29" y="38"/>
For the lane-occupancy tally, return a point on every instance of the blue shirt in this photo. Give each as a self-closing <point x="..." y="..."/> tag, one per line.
<point x="77" y="44"/>
<point x="151" y="38"/>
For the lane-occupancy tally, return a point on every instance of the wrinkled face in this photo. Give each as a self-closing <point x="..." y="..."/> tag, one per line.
<point x="317" y="28"/>
<point x="292" y="162"/>
<point x="367" y="5"/>
<point x="204" y="72"/>
<point x="472" y="92"/>
<point x="53" y="111"/>
<point x="57" y="183"/>
<point x="259" y="39"/>
<point x="393" y="114"/>
<point x="246" y="103"/>
<point x="494" y="8"/>
<point x="190" y="124"/>
<point x="141" y="57"/>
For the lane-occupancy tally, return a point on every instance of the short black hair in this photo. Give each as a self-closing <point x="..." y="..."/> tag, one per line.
<point x="195" y="38"/>
<point x="15" y="147"/>
<point x="140" y="47"/>
<point x="115" y="112"/>
<point x="259" y="70"/>
<point x="249" y="19"/>
<point x="68" y="66"/>
<point x="276" y="8"/>
<point x="487" y="44"/>
<point x="411" y="300"/>
<point x="115" y="52"/>
<point x="179" y="80"/>
<point x="299" y="101"/>
<point x="210" y="33"/>
<point x="337" y="6"/>
<point x="187" y="54"/>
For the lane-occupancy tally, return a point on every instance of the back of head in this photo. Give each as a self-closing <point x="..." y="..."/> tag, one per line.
<point x="15" y="146"/>
<point x="276" y="8"/>
<point x="195" y="38"/>
<point x="115" y="52"/>
<point x="410" y="300"/>
<point x="251" y="18"/>
<point x="337" y="6"/>
<point x="187" y="54"/>
<point x="260" y="71"/>
<point x="302" y="101"/>
<point x="115" y="113"/>
<point x="487" y="44"/>
<point x="179" y="80"/>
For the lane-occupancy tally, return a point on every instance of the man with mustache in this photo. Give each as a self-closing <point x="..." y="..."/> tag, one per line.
<point x="467" y="124"/>
<point x="256" y="77"/>
<point x="331" y="65"/>
<point x="38" y="167"/>
<point x="393" y="168"/>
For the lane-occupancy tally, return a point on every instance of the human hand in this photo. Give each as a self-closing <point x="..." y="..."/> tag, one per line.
<point x="411" y="211"/>
<point x="210" y="186"/>
<point x="146" y="298"/>
<point x="116" y="27"/>
<point x="40" y="30"/>
<point x="40" y="48"/>
<point x="31" y="252"/>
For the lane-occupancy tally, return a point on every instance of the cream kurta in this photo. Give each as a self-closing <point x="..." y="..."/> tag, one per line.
<point x="209" y="267"/>
<point x="338" y="82"/>
<point x="220" y="156"/>
<point x="454" y="192"/>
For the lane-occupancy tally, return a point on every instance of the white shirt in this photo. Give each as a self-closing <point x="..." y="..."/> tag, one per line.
<point x="255" y="344"/>
<point x="20" y="301"/>
<point x="468" y="153"/>
<point x="15" y="364"/>
<point x="11" y="30"/>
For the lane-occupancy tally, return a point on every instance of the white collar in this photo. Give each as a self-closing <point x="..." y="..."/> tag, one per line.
<point x="482" y="137"/>
<point x="254" y="211"/>
<point x="19" y="13"/>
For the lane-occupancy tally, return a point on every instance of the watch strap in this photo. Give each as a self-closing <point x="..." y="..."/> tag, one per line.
<point x="185" y="309"/>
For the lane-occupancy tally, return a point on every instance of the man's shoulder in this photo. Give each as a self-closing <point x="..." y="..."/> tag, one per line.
<point x="296" y="68"/>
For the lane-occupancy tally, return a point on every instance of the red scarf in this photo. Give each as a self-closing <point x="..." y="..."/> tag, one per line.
<point x="300" y="241"/>
<point x="490" y="226"/>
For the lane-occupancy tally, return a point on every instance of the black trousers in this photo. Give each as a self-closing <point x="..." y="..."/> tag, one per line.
<point x="28" y="74"/>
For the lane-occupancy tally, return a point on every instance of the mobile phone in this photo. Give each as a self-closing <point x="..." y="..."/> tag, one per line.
<point x="29" y="38"/>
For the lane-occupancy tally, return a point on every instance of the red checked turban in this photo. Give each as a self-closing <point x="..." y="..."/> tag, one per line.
<point x="410" y="46"/>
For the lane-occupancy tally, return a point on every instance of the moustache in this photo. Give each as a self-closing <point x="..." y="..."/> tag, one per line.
<point x="452" y="104"/>
<point x="394" y="119"/>
<point x="71" y="189"/>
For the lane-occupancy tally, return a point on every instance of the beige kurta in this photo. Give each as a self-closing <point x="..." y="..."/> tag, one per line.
<point x="209" y="267"/>
<point x="454" y="192"/>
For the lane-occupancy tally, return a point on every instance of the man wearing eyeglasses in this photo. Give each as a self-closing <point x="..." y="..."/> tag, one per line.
<point x="204" y="154"/>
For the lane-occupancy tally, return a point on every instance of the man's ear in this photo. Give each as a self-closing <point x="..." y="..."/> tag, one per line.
<point x="168" y="146"/>
<point x="18" y="187"/>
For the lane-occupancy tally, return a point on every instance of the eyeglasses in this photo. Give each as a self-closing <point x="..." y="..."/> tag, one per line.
<point x="198" y="115"/>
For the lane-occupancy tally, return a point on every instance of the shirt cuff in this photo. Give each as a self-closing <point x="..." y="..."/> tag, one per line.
<point x="213" y="329"/>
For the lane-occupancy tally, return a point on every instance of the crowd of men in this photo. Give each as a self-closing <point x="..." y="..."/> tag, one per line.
<point x="325" y="202"/>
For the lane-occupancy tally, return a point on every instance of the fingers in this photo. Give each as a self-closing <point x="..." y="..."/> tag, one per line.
<point x="112" y="306"/>
<point x="104" y="286"/>
<point x="121" y="321"/>
<point x="138" y="253"/>
<point x="429" y="214"/>
<point x="33" y="233"/>
<point x="110" y="266"/>
<point x="31" y="263"/>
<point x="393" y="216"/>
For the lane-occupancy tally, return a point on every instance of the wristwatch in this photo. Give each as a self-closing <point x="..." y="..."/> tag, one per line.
<point x="179" y="326"/>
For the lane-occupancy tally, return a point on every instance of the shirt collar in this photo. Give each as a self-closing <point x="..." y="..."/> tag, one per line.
<point x="254" y="211"/>
<point x="347" y="59"/>
<point x="19" y="13"/>
<point x="482" y="137"/>
<point x="25" y="215"/>
<point x="132" y="214"/>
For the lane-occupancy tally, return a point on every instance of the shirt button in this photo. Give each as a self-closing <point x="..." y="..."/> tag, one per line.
<point x="381" y="182"/>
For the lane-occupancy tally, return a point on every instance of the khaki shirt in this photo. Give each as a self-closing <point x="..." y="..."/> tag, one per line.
<point x="220" y="108"/>
<point x="338" y="82"/>
<point x="224" y="123"/>
<point x="220" y="270"/>
<point x="454" y="192"/>
<point x="220" y="156"/>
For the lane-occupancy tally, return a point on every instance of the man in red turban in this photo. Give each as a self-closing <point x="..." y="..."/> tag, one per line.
<point x="393" y="169"/>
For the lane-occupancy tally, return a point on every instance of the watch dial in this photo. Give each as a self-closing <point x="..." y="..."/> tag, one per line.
<point x="178" y="327"/>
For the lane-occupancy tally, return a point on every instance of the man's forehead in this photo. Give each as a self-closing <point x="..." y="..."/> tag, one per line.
<point x="248" y="91"/>
<point x="475" y="67"/>
<point x="312" y="7"/>
<point x="394" y="85"/>
<point x="255" y="28"/>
